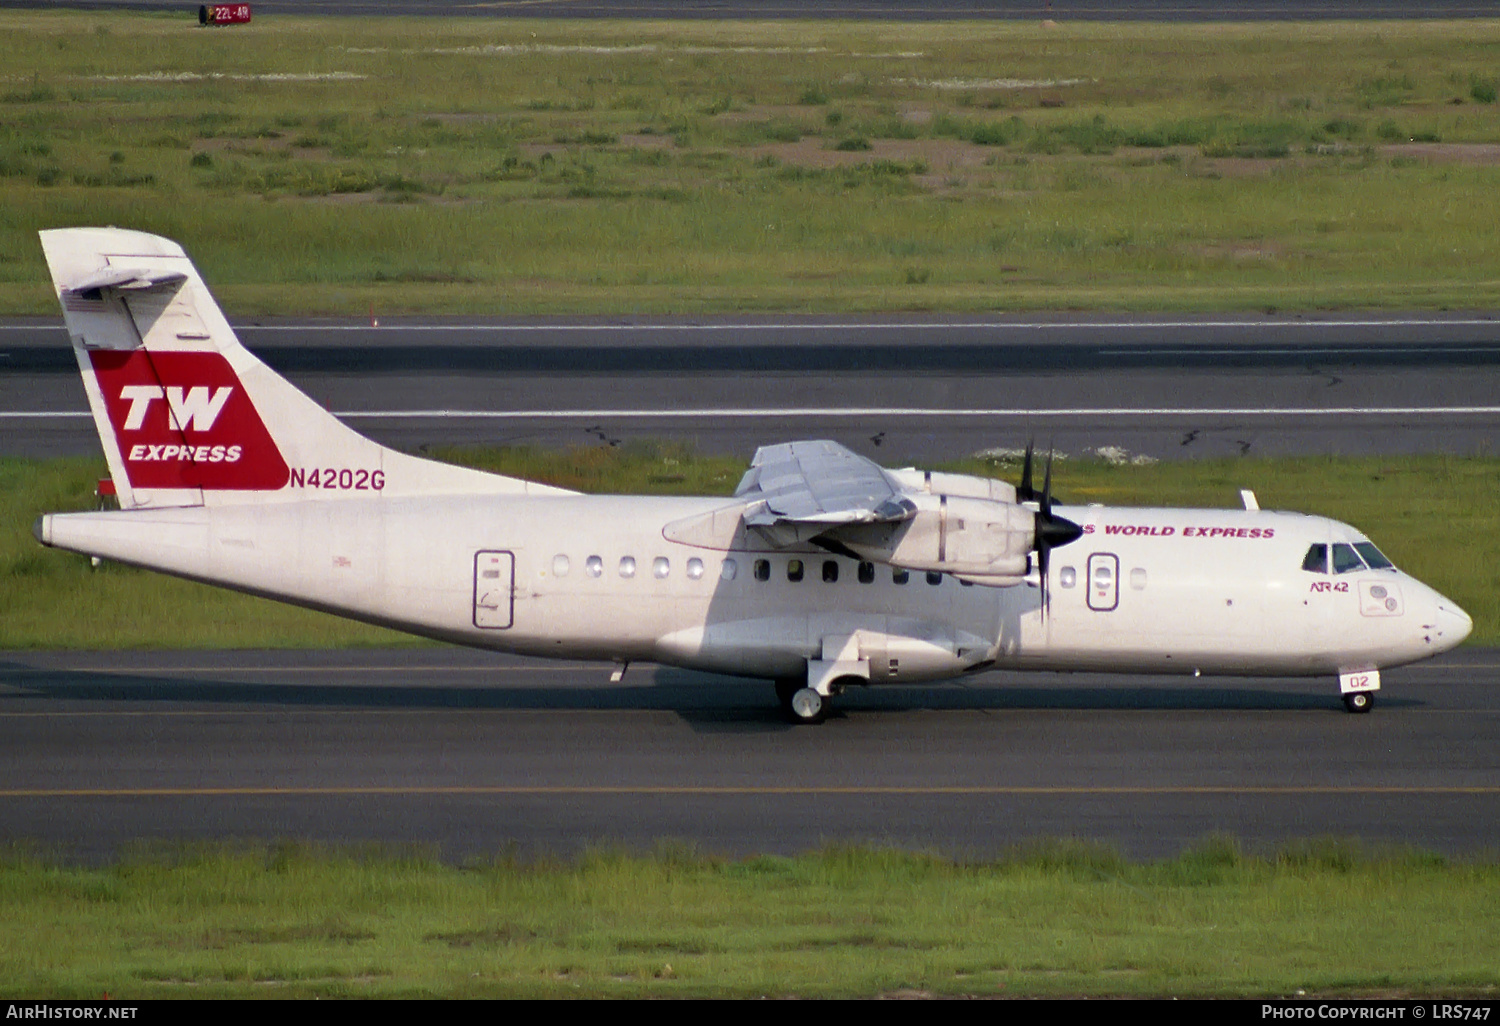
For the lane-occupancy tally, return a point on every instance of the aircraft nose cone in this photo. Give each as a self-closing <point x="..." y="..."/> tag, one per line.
<point x="1447" y="625"/>
<point x="1456" y="624"/>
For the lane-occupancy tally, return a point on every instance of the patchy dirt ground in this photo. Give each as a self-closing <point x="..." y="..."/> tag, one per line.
<point x="1487" y="154"/>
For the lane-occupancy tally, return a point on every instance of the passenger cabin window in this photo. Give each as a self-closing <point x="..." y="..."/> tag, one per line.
<point x="1138" y="578"/>
<point x="1067" y="577"/>
<point x="1316" y="560"/>
<point x="899" y="576"/>
<point x="728" y="569"/>
<point x="1374" y="558"/>
<point x="1346" y="560"/>
<point x="594" y="566"/>
<point x="560" y="566"/>
<point x="762" y="569"/>
<point x="794" y="570"/>
<point x="627" y="566"/>
<point x="661" y="567"/>
<point x="830" y="572"/>
<point x="934" y="577"/>
<point x="867" y="573"/>
<point x="695" y="568"/>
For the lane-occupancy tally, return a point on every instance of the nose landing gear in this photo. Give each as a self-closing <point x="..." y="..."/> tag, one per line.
<point x="1358" y="688"/>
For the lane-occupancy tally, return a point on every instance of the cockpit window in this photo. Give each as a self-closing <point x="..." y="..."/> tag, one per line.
<point x="1346" y="560"/>
<point x="1373" y="557"/>
<point x="1316" y="560"/>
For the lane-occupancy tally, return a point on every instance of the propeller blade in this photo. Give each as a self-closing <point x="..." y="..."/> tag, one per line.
<point x="1024" y="491"/>
<point x="1051" y="531"/>
<point x="1047" y="487"/>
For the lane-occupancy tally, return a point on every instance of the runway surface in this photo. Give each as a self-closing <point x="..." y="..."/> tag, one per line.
<point x="476" y="753"/>
<point x="891" y="10"/>
<point x="906" y="388"/>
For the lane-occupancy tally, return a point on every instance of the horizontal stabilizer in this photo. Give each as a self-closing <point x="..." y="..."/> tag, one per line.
<point x="124" y="279"/>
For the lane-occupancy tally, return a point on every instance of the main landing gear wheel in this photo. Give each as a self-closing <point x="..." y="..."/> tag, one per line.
<point x="1359" y="701"/>
<point x="807" y="706"/>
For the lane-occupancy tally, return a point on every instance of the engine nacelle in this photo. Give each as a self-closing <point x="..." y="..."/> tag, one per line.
<point x="934" y="482"/>
<point x="975" y="539"/>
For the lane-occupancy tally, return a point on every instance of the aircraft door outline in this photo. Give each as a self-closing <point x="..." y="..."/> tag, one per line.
<point x="494" y="589"/>
<point x="1104" y="581"/>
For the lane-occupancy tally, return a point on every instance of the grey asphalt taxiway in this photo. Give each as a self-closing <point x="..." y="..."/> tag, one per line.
<point x="904" y="388"/>
<point x="477" y="754"/>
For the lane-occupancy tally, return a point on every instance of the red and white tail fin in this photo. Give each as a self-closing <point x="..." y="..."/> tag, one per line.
<point x="188" y="415"/>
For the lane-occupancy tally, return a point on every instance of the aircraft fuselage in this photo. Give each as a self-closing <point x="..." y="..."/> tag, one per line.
<point x="596" y="577"/>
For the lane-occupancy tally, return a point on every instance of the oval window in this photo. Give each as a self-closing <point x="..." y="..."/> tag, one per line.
<point x="1138" y="578"/>
<point x="1067" y="577"/>
<point x="627" y="566"/>
<point x="594" y="566"/>
<point x="560" y="566"/>
<point x="695" y="568"/>
<point x="660" y="568"/>
<point x="728" y="569"/>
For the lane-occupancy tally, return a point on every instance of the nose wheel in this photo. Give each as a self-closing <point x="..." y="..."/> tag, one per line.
<point x="1359" y="701"/>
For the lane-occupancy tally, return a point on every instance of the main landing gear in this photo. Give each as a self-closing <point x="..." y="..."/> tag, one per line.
<point x="1359" y="701"/>
<point x="801" y="703"/>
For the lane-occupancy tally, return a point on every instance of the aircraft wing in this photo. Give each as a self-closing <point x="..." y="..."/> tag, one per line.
<point x="818" y="484"/>
<point x="820" y="493"/>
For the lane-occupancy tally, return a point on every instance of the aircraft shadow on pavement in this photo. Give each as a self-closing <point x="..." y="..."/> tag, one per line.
<point x="706" y="701"/>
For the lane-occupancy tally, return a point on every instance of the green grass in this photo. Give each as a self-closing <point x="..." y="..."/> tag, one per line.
<point x="484" y="166"/>
<point x="1436" y="516"/>
<point x="1323" y="918"/>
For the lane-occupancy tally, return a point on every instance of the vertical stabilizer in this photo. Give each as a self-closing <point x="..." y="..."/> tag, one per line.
<point x="187" y="415"/>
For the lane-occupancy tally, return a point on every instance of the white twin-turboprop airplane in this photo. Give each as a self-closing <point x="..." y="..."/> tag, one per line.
<point x="823" y="571"/>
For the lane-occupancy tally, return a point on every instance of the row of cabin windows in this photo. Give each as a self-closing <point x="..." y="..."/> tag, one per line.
<point x="1346" y="558"/>
<point x="661" y="569"/>
<point x="1103" y="576"/>
<point x="865" y="572"/>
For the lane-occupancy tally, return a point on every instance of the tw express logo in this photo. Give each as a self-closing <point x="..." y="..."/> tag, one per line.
<point x="182" y="420"/>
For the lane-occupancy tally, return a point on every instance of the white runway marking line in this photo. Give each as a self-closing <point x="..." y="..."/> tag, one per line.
<point x="863" y="411"/>
<point x="893" y="325"/>
<point x="876" y="411"/>
<point x="1414" y="322"/>
<point x="833" y="790"/>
